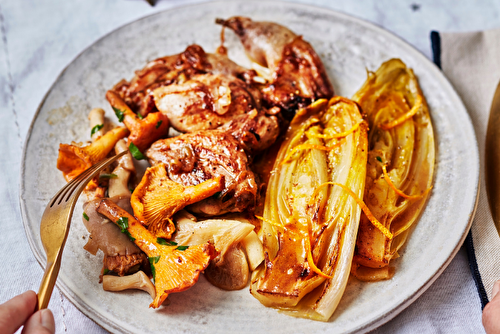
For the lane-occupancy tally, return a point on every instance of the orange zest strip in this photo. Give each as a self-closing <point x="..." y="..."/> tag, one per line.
<point x="336" y="135"/>
<point x="269" y="221"/>
<point x="363" y="206"/>
<point x="403" y="118"/>
<point x="310" y="260"/>
<point x="399" y="192"/>
<point x="308" y="147"/>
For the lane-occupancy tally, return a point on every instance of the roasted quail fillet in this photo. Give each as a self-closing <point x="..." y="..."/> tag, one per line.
<point x="193" y="158"/>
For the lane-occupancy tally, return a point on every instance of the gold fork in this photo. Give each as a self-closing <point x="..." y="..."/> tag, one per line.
<point x="55" y="225"/>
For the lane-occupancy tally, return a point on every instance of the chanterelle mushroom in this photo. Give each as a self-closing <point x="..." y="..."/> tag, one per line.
<point x="157" y="198"/>
<point x="143" y="132"/>
<point x="73" y="159"/>
<point x="175" y="268"/>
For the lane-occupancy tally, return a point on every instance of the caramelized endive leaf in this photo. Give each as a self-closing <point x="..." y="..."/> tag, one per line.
<point x="308" y="239"/>
<point x="401" y="140"/>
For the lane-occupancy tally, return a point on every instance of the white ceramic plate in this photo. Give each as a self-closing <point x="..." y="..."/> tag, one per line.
<point x="347" y="46"/>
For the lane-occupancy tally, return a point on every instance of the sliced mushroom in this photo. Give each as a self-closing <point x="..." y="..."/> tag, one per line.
<point x="118" y="186"/>
<point x="96" y="119"/>
<point x="254" y="249"/>
<point x="230" y="272"/>
<point x="139" y="281"/>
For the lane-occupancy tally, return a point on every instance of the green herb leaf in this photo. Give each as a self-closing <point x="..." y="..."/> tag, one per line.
<point x="158" y="124"/>
<point x="164" y="242"/>
<point x="135" y="152"/>
<point x="108" y="176"/>
<point x="106" y="271"/>
<point x="139" y="115"/>
<point x="182" y="248"/>
<point x="152" y="261"/>
<point x="379" y="159"/>
<point x="123" y="224"/>
<point x="119" y="113"/>
<point x="85" y="216"/>
<point x="95" y="129"/>
<point x="217" y="194"/>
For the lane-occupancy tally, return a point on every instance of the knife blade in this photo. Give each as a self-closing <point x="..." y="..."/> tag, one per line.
<point x="492" y="159"/>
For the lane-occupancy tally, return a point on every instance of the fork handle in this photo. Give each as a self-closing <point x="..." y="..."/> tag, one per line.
<point x="48" y="282"/>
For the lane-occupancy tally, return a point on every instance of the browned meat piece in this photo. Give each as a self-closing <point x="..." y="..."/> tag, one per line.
<point x="254" y="131"/>
<point x="206" y="101"/>
<point x="195" y="157"/>
<point x="126" y="264"/>
<point x="164" y="71"/>
<point x="299" y="76"/>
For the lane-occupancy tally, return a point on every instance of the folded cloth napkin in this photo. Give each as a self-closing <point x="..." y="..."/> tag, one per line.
<point x="471" y="61"/>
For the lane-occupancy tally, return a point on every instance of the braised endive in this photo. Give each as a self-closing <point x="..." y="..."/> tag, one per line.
<point x="311" y="216"/>
<point x="400" y="164"/>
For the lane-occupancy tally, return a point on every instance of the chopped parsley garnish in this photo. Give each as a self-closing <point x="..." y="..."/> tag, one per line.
<point x="95" y="129"/>
<point x="164" y="242"/>
<point x="139" y="115"/>
<point x="152" y="261"/>
<point x="379" y="159"/>
<point x="217" y="194"/>
<point x="119" y="113"/>
<point x="106" y="271"/>
<point x="158" y="124"/>
<point x="135" y="152"/>
<point x="182" y="248"/>
<point x="85" y="216"/>
<point x="123" y="224"/>
<point x="108" y="176"/>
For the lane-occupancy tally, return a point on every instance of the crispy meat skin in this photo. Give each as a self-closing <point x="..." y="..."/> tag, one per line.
<point x="206" y="101"/>
<point x="195" y="157"/>
<point x="299" y="76"/>
<point x="175" y="69"/>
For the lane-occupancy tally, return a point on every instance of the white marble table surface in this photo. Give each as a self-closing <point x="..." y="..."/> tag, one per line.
<point x="39" y="38"/>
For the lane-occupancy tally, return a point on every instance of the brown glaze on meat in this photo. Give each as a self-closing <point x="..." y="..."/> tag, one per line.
<point x="299" y="76"/>
<point x="206" y="101"/>
<point x="255" y="131"/>
<point x="175" y="69"/>
<point x="195" y="157"/>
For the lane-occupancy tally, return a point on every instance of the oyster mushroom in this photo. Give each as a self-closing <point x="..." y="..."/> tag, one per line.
<point x="157" y="198"/>
<point x="143" y="132"/>
<point x="73" y="159"/>
<point x="96" y="119"/>
<point x="118" y="186"/>
<point x="139" y="281"/>
<point x="121" y="255"/>
<point x="191" y="232"/>
<point x="174" y="268"/>
<point x="229" y="270"/>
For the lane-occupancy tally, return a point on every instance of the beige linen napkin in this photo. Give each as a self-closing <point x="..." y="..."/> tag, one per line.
<point x="471" y="61"/>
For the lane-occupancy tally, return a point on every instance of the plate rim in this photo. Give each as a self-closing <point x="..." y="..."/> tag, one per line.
<point x="109" y="325"/>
